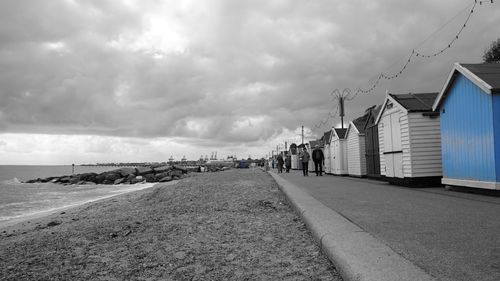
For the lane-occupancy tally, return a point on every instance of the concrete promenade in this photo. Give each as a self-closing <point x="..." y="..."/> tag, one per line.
<point x="385" y="232"/>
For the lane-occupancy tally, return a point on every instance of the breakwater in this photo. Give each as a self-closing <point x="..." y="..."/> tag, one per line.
<point x="131" y="175"/>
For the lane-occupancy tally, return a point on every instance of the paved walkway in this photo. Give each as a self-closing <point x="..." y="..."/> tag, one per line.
<point x="450" y="235"/>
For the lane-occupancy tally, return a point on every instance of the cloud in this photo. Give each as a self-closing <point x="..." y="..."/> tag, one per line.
<point x="219" y="71"/>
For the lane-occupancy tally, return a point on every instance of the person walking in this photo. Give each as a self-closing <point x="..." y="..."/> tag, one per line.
<point x="305" y="161"/>
<point x="280" y="163"/>
<point x="319" y="160"/>
<point x="288" y="162"/>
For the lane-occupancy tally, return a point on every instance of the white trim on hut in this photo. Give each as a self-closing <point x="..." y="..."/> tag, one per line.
<point x="355" y="138"/>
<point x="409" y="139"/>
<point x="327" y="151"/>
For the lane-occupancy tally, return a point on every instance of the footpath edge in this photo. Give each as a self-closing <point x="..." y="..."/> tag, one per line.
<point x="357" y="255"/>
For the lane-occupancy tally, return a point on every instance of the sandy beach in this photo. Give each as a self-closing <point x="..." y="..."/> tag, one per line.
<point x="232" y="225"/>
<point x="47" y="212"/>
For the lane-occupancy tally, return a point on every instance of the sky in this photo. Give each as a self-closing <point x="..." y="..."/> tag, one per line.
<point x="96" y="81"/>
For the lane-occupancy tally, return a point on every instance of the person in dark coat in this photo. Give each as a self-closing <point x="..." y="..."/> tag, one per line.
<point x="288" y="163"/>
<point x="319" y="160"/>
<point x="304" y="157"/>
<point x="280" y="163"/>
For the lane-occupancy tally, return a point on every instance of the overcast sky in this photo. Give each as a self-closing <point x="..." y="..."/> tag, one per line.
<point x="125" y="81"/>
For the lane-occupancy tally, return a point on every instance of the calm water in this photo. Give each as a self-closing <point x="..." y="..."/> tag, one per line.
<point x="18" y="200"/>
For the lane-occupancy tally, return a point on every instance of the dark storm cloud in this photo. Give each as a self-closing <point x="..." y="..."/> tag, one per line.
<point x="212" y="71"/>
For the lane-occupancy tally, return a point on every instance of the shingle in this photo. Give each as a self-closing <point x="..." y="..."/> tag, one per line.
<point x="488" y="72"/>
<point x="416" y="102"/>
<point x="340" y="132"/>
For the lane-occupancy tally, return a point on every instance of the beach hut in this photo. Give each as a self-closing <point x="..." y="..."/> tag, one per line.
<point x="410" y="140"/>
<point x="355" y="142"/>
<point x="338" y="152"/>
<point x="327" y="136"/>
<point x="469" y="104"/>
<point x="372" y="154"/>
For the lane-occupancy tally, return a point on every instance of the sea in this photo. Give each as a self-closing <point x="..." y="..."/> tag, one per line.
<point x="19" y="200"/>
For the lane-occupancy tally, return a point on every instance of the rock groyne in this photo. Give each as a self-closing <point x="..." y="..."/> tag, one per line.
<point x="130" y="175"/>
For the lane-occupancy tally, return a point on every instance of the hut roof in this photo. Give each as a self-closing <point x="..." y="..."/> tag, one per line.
<point x="373" y="113"/>
<point x="488" y="72"/>
<point x="340" y="132"/>
<point x="416" y="102"/>
<point x="327" y="136"/>
<point x="360" y="122"/>
<point x="485" y="75"/>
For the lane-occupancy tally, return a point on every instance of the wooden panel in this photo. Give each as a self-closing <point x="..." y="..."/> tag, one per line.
<point x="387" y="133"/>
<point x="381" y="147"/>
<point x="425" y="143"/>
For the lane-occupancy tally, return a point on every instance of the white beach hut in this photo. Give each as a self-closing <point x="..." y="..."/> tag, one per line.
<point x="410" y="140"/>
<point x="355" y="138"/>
<point x="338" y="152"/>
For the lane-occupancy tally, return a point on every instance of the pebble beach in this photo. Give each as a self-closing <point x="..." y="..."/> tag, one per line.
<point x="229" y="225"/>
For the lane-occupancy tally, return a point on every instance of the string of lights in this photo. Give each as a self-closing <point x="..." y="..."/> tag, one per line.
<point x="350" y="94"/>
<point x="330" y="115"/>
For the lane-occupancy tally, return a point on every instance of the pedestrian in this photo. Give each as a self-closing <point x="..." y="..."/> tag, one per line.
<point x="305" y="161"/>
<point x="272" y="162"/>
<point x="319" y="160"/>
<point x="288" y="162"/>
<point x="280" y="163"/>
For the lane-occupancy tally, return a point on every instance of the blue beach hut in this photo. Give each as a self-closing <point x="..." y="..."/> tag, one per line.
<point x="469" y="104"/>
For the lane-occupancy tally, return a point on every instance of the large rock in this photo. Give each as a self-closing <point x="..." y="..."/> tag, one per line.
<point x="149" y="177"/>
<point x="162" y="169"/>
<point x="88" y="177"/>
<point x="130" y="177"/>
<point x="120" y="180"/>
<point x="111" y="176"/>
<point x="165" y="179"/>
<point x="75" y="179"/>
<point x="137" y="179"/>
<point x="176" y="173"/>
<point x="160" y="176"/>
<point x="180" y="168"/>
<point x="100" y="178"/>
<point x="65" y="179"/>
<point x="125" y="172"/>
<point x="143" y="170"/>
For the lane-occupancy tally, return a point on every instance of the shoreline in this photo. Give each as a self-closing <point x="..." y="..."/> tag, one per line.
<point x="231" y="225"/>
<point x="35" y="216"/>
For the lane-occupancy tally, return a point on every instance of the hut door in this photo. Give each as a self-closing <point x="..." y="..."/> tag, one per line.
<point x="372" y="152"/>
<point x="392" y="145"/>
<point x="334" y="157"/>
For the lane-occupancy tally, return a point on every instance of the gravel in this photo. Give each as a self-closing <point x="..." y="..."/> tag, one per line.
<point x="231" y="225"/>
